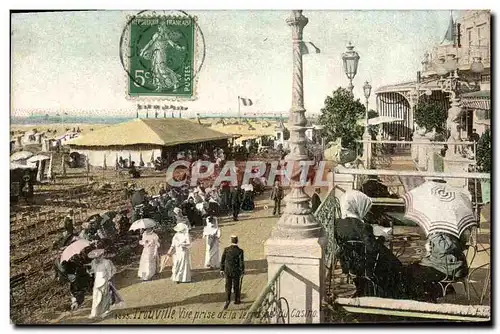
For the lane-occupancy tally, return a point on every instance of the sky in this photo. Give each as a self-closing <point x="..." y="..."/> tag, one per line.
<point x="70" y="61"/>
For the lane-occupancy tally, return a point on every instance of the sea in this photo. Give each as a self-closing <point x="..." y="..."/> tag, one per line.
<point x="43" y="119"/>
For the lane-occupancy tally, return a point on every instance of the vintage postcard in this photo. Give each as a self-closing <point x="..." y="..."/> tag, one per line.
<point x="250" y="167"/>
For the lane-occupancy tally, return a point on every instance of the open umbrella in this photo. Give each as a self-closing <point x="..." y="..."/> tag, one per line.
<point x="142" y="223"/>
<point x="74" y="248"/>
<point x="21" y="155"/>
<point x="38" y="157"/>
<point x="439" y="207"/>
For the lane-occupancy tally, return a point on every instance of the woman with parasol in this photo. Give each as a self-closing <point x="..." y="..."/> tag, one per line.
<point x="105" y="294"/>
<point x="149" y="256"/>
<point x="211" y="233"/>
<point x="181" y="268"/>
<point x="446" y="216"/>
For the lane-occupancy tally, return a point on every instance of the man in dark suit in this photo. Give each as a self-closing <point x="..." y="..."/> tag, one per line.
<point x="232" y="267"/>
<point x="277" y="196"/>
<point x="236" y="198"/>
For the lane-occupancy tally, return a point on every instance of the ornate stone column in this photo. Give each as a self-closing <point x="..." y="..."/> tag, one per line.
<point x="297" y="240"/>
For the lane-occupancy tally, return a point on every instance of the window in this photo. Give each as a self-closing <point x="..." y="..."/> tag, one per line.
<point x="482" y="38"/>
<point x="469" y="36"/>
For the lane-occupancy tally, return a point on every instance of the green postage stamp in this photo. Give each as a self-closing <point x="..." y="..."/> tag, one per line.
<point x="162" y="56"/>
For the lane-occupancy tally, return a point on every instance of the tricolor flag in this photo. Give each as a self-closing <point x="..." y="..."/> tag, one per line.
<point x="309" y="47"/>
<point x="245" y="101"/>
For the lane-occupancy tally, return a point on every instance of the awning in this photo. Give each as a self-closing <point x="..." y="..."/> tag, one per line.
<point x="477" y="100"/>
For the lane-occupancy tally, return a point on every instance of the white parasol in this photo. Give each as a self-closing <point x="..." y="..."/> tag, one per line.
<point x="142" y="223"/>
<point x="439" y="207"/>
<point x="379" y="120"/>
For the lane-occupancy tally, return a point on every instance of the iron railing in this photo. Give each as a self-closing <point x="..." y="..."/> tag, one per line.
<point x="325" y="214"/>
<point x="270" y="307"/>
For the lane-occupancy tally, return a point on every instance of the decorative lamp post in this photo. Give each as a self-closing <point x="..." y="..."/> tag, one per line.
<point x="367" y="88"/>
<point x="297" y="240"/>
<point x="351" y="60"/>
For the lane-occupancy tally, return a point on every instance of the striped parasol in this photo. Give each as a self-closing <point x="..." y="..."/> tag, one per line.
<point x="439" y="208"/>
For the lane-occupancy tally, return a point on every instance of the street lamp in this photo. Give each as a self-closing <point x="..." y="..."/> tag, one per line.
<point x="367" y="88"/>
<point x="350" y="59"/>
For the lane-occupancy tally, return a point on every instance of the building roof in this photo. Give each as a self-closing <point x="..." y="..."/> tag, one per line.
<point x="409" y="85"/>
<point x="158" y="132"/>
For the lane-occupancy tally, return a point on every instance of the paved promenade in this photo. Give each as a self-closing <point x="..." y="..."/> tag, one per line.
<point x="161" y="301"/>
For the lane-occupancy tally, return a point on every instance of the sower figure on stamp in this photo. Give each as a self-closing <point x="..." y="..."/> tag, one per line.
<point x="233" y="268"/>
<point x="277" y="196"/>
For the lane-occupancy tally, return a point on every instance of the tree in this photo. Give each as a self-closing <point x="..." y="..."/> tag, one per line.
<point x="431" y="115"/>
<point x="483" y="155"/>
<point x="373" y="129"/>
<point x="340" y="116"/>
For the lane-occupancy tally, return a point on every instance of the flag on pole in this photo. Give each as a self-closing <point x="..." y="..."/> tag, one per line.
<point x="449" y="38"/>
<point x="309" y="47"/>
<point x="246" y="101"/>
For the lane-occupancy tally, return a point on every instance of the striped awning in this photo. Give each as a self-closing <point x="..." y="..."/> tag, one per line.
<point x="477" y="100"/>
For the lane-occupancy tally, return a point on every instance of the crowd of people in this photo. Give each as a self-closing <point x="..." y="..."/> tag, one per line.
<point x="172" y="208"/>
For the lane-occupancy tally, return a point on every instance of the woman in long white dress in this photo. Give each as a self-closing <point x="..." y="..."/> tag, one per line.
<point x="211" y="233"/>
<point x="104" y="294"/>
<point x="181" y="267"/>
<point x="149" y="257"/>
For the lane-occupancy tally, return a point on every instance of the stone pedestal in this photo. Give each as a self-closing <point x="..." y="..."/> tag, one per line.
<point x="414" y="147"/>
<point x="456" y="164"/>
<point x="302" y="282"/>
<point x="430" y="160"/>
<point x="423" y="151"/>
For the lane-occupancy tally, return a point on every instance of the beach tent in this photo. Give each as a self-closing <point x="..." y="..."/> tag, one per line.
<point x="146" y="137"/>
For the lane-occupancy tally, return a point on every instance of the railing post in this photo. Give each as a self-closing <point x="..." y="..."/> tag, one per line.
<point x="367" y="151"/>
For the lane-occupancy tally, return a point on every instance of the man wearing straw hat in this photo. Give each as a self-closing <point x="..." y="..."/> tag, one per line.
<point x="232" y="267"/>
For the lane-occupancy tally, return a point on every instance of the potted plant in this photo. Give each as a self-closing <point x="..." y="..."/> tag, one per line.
<point x="483" y="159"/>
